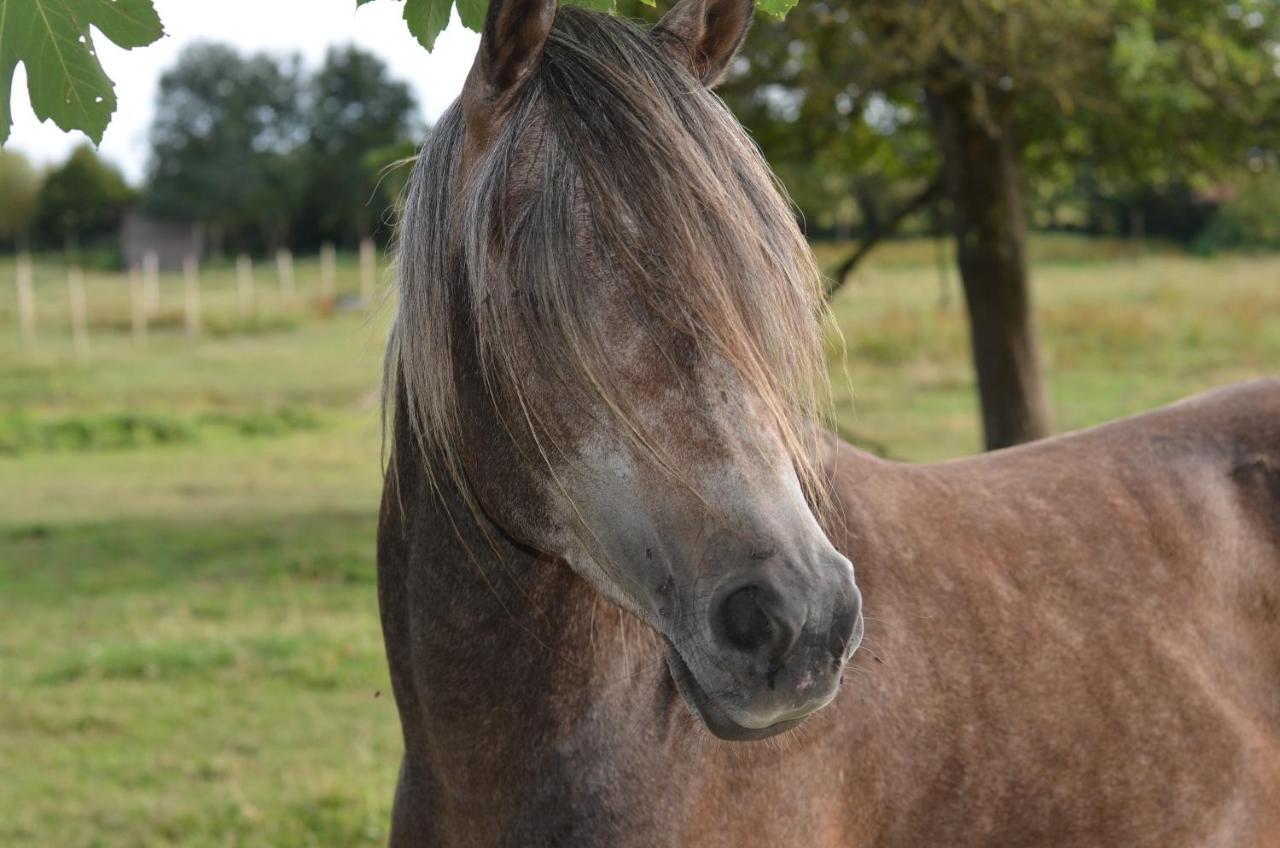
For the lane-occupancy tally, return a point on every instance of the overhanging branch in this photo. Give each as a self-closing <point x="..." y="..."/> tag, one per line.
<point x="845" y="269"/>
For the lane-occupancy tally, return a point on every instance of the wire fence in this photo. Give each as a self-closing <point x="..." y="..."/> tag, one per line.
<point x="52" y="304"/>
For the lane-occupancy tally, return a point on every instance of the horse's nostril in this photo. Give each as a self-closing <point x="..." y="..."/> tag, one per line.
<point x="842" y="624"/>
<point x="746" y="625"/>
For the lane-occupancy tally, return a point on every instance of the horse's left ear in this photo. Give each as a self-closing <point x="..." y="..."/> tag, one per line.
<point x="515" y="32"/>
<point x="705" y="34"/>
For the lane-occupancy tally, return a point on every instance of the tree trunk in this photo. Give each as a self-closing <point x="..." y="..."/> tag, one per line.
<point x="982" y="174"/>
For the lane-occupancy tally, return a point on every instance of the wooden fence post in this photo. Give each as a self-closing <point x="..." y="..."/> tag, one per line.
<point x="328" y="270"/>
<point x="368" y="270"/>
<point x="79" y="311"/>
<point x="151" y="283"/>
<point x="244" y="284"/>
<point x="137" y="308"/>
<point x="191" y="295"/>
<point x="284" y="269"/>
<point x="26" y="302"/>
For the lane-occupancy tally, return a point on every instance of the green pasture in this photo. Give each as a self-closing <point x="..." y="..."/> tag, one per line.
<point x="189" y="644"/>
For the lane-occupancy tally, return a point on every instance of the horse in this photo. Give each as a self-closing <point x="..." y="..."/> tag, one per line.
<point x="622" y="568"/>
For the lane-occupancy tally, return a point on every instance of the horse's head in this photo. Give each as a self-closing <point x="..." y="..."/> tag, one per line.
<point x="609" y="335"/>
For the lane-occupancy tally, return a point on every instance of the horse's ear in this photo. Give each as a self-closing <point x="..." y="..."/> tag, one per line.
<point x="705" y="34"/>
<point x="515" y="32"/>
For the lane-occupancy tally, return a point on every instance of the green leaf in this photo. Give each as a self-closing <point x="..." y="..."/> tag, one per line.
<point x="129" y="23"/>
<point x="64" y="78"/>
<point x="597" y="5"/>
<point x="778" y="8"/>
<point x="427" y="19"/>
<point x="472" y="13"/>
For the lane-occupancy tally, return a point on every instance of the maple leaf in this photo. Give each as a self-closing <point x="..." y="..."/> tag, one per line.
<point x="65" y="80"/>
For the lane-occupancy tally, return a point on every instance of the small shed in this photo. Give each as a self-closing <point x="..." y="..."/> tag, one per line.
<point x="170" y="241"/>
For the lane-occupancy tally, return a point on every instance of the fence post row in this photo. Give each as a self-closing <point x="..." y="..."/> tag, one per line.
<point x="328" y="270"/>
<point x="244" y="284"/>
<point x="284" y="269"/>
<point x="79" y="311"/>
<point x="151" y="283"/>
<point x="191" y="295"/>
<point x="26" y="302"/>
<point x="144" y="291"/>
<point x="368" y="269"/>
<point x="137" y="308"/>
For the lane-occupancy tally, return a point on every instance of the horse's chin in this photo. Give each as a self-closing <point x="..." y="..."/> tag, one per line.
<point x="712" y="715"/>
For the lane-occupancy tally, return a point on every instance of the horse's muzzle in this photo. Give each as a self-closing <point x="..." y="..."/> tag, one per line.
<point x="778" y="646"/>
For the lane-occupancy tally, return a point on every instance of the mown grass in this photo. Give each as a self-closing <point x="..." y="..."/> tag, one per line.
<point x="189" y="643"/>
<point x="197" y="682"/>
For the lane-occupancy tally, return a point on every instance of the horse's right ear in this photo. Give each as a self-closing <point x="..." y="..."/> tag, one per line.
<point x="515" y="32"/>
<point x="704" y="35"/>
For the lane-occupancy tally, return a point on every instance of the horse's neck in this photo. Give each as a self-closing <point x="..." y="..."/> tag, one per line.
<point x="516" y="680"/>
<point x="491" y="626"/>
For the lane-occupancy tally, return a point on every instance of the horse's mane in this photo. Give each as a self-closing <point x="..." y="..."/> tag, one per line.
<point x="640" y="162"/>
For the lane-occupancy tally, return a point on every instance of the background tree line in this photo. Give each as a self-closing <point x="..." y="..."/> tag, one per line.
<point x="257" y="150"/>
<point x="976" y="120"/>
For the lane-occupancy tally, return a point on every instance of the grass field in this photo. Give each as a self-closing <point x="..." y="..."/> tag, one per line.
<point x="189" y="647"/>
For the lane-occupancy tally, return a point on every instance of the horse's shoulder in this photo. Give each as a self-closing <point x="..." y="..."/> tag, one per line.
<point x="1239" y="425"/>
<point x="1227" y="438"/>
<point x="1250" y="419"/>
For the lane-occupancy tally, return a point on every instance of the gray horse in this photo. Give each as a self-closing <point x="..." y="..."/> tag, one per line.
<point x="615" y="546"/>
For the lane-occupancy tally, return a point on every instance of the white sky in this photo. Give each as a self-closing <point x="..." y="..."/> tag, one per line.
<point x="308" y="27"/>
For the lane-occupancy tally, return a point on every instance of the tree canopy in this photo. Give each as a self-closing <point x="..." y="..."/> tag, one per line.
<point x="358" y="119"/>
<point x="81" y="201"/>
<point x="1119" y="93"/>
<point x="993" y="105"/>
<point x="225" y="130"/>
<point x="262" y="152"/>
<point x="19" y="184"/>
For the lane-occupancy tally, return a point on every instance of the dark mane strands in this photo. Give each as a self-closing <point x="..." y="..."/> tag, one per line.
<point x="638" y="164"/>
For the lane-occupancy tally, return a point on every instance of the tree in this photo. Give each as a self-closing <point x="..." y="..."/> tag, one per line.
<point x="1013" y="96"/>
<point x="850" y="155"/>
<point x="356" y="116"/>
<point x="19" y="185"/>
<point x="81" y="202"/>
<point x="225" y="145"/>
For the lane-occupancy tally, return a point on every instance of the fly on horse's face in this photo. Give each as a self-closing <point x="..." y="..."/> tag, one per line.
<point x="634" y="309"/>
